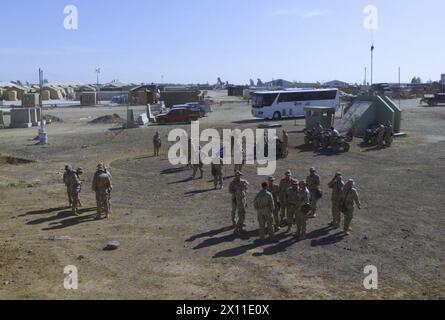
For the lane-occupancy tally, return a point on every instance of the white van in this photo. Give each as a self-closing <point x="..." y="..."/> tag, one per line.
<point x="276" y="105"/>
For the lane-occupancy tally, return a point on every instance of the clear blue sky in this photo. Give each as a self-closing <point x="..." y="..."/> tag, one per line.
<point x="200" y="40"/>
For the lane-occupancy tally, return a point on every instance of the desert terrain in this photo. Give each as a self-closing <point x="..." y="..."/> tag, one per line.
<point x="175" y="234"/>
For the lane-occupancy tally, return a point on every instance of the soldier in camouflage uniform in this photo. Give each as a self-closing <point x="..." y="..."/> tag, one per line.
<point x="102" y="186"/>
<point x="198" y="166"/>
<point x="74" y="187"/>
<point x="336" y="185"/>
<point x="389" y="135"/>
<point x="291" y="202"/>
<point x="157" y="144"/>
<point x="103" y="168"/>
<point x="66" y="175"/>
<point x="381" y="135"/>
<point x="217" y="173"/>
<point x="349" y="197"/>
<point x="238" y="189"/>
<point x="300" y="216"/>
<point x="264" y="205"/>
<point x="285" y="184"/>
<point x="275" y="191"/>
<point x="318" y="130"/>
<point x="313" y="184"/>
<point x="79" y="173"/>
<point x="285" y="144"/>
<point x="238" y="167"/>
<point x="189" y="154"/>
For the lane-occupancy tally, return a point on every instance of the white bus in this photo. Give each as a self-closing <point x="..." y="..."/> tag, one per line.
<point x="276" y="105"/>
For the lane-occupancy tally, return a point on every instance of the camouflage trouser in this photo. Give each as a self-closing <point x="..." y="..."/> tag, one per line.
<point x="348" y="218"/>
<point x="238" y="205"/>
<point x="103" y="201"/>
<point x="380" y="138"/>
<point x="336" y="214"/>
<point x="157" y="149"/>
<point x="265" y="220"/>
<point x="291" y="215"/>
<point x="285" y="150"/>
<point x="301" y="223"/>
<point x="388" y="139"/>
<point x="313" y="200"/>
<point x="282" y="211"/>
<point x="218" y="179"/>
<point x="276" y="215"/>
<point x="75" y="200"/>
<point x="70" y="199"/>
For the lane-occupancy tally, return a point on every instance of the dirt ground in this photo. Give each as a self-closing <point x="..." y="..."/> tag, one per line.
<point x="175" y="235"/>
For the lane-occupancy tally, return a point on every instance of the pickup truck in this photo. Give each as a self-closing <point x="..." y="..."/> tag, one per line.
<point x="433" y="99"/>
<point x="177" y="115"/>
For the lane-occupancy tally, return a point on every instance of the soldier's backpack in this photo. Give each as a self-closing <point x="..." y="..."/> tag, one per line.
<point x="306" y="208"/>
<point x="343" y="205"/>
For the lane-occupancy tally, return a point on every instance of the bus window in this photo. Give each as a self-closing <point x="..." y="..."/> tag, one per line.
<point x="264" y="100"/>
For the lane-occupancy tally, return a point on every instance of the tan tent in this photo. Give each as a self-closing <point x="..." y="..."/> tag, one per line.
<point x="11" y="95"/>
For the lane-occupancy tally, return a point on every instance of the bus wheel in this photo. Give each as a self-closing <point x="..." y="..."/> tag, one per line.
<point x="276" y="116"/>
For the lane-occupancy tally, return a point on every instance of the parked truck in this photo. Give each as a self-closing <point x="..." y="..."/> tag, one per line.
<point x="433" y="99"/>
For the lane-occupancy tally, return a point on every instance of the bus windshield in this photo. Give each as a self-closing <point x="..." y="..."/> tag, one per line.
<point x="263" y="100"/>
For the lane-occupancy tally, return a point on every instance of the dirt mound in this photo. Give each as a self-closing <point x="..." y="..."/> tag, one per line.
<point x="14" y="160"/>
<point x="108" y="119"/>
<point x="51" y="119"/>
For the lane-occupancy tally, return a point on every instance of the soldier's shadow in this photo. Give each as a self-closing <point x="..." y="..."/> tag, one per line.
<point x="228" y="238"/>
<point x="319" y="233"/>
<point x="75" y="220"/>
<point x="196" y="192"/>
<point x="238" y="251"/>
<point x="280" y="247"/>
<point x="208" y="234"/>
<point x="330" y="240"/>
<point x="44" y="211"/>
<point x="174" y="170"/>
<point x="188" y="179"/>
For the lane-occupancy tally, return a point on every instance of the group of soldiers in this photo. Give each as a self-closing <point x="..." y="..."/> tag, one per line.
<point x="382" y="135"/>
<point x="326" y="137"/>
<point x="217" y="167"/>
<point x="102" y="186"/>
<point x="292" y="203"/>
<point x="287" y="204"/>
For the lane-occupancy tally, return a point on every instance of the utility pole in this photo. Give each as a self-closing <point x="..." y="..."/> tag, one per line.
<point x="400" y="88"/>
<point x="98" y="88"/>
<point x="43" y="137"/>
<point x="372" y="64"/>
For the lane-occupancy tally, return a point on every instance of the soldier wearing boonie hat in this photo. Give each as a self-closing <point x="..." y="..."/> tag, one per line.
<point x="238" y="189"/>
<point x="285" y="184"/>
<point x="336" y="185"/>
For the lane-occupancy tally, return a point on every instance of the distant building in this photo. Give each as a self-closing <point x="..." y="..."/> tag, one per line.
<point x="12" y="91"/>
<point x="143" y="95"/>
<point x="179" y="95"/>
<point x="236" y="91"/>
<point x="442" y="79"/>
<point x="115" y="88"/>
<point x="281" y="83"/>
<point x="337" y="84"/>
